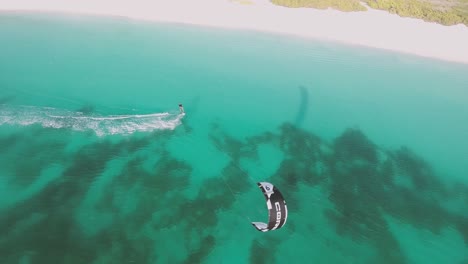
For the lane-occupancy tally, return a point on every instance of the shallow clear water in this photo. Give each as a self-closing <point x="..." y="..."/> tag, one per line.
<point x="98" y="166"/>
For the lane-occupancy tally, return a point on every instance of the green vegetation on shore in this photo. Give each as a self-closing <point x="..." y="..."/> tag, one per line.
<point x="343" y="5"/>
<point x="445" y="12"/>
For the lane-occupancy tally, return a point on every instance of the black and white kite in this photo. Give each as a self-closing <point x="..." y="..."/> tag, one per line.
<point x="277" y="210"/>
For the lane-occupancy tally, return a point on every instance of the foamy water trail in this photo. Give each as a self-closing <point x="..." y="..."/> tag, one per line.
<point x="102" y="125"/>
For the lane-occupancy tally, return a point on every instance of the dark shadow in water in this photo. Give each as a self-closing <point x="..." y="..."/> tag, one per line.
<point x="362" y="187"/>
<point x="262" y="250"/>
<point x="56" y="202"/>
<point x="32" y="153"/>
<point x="303" y="106"/>
<point x="10" y="141"/>
<point x="354" y="145"/>
<point x="364" y="183"/>
<point x="54" y="236"/>
<point x="86" y="109"/>
<point x="206" y="246"/>
<point x="6" y="99"/>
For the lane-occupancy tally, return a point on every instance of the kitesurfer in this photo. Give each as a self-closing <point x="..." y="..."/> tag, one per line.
<point x="181" y="108"/>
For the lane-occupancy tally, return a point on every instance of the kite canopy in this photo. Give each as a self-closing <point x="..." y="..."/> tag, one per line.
<point x="277" y="210"/>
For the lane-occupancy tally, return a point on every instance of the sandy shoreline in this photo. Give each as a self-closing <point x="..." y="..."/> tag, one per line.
<point x="373" y="28"/>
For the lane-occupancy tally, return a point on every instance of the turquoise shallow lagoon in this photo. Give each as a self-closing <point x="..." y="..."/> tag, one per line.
<point x="97" y="165"/>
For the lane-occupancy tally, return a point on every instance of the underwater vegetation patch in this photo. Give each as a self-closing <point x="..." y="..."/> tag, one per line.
<point x="146" y="203"/>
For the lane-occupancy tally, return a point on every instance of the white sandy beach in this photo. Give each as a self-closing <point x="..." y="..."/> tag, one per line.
<point x="373" y="28"/>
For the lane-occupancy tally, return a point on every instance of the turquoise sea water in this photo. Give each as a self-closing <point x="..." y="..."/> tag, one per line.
<point x="97" y="165"/>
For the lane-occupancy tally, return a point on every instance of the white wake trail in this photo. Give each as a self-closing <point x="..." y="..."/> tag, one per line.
<point x="102" y="125"/>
